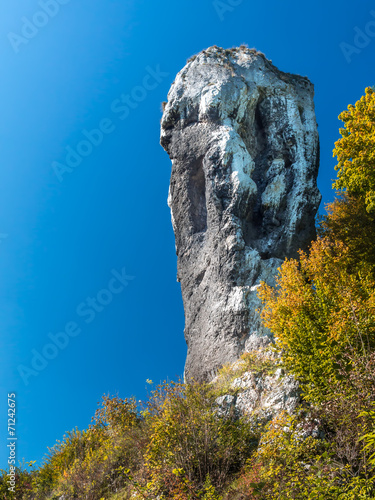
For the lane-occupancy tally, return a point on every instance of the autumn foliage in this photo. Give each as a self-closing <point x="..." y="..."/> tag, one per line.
<point x="321" y="308"/>
<point x="355" y="150"/>
<point x="347" y="221"/>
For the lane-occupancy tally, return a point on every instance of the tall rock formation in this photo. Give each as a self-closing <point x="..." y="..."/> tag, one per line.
<point x="243" y="141"/>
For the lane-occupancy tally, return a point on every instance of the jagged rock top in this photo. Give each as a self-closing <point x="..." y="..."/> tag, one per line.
<point x="237" y="68"/>
<point x="243" y="141"/>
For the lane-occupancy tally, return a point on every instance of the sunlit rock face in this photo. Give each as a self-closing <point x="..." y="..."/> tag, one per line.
<point x="243" y="141"/>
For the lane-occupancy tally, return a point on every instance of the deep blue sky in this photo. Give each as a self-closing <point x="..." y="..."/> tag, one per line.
<point x="60" y="242"/>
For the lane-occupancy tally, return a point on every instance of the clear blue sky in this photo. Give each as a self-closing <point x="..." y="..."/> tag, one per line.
<point x="63" y="245"/>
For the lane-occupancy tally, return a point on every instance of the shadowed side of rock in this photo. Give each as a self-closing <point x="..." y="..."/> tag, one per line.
<point x="244" y="146"/>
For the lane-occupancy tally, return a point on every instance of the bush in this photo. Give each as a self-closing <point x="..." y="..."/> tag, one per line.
<point x="59" y="460"/>
<point x="322" y="314"/>
<point x="23" y="477"/>
<point x="191" y="443"/>
<point x="289" y="465"/>
<point x="91" y="464"/>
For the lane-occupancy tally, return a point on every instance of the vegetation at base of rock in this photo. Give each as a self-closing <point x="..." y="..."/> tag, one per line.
<point x="179" y="444"/>
<point x="262" y="362"/>
<point x="322" y="312"/>
<point x="289" y="465"/>
<point x="176" y="445"/>
<point x="193" y="441"/>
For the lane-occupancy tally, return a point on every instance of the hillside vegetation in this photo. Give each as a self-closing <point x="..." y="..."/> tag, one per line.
<point x="181" y="444"/>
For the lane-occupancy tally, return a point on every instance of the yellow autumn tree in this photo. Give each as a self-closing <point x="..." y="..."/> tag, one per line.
<point x="355" y="151"/>
<point x="321" y="315"/>
<point x="348" y="221"/>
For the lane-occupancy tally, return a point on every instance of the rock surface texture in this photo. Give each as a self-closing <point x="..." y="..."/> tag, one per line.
<point x="263" y="396"/>
<point x="260" y="389"/>
<point x="243" y="141"/>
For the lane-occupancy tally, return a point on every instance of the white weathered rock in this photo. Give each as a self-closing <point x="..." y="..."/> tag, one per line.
<point x="226" y="405"/>
<point x="266" y="395"/>
<point x="244" y="146"/>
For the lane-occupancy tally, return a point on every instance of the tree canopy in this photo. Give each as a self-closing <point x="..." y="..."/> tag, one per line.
<point x="355" y="151"/>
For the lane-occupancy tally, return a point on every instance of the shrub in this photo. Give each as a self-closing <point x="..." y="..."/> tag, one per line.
<point x="23" y="477"/>
<point x="59" y="459"/>
<point x="288" y="465"/>
<point x="191" y="444"/>
<point x="90" y="464"/>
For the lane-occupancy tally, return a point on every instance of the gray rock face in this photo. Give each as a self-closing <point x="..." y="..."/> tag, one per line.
<point x="243" y="141"/>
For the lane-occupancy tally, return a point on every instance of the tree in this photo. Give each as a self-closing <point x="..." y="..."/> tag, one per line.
<point x="320" y="310"/>
<point x="348" y="221"/>
<point x="322" y="314"/>
<point x="355" y="150"/>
